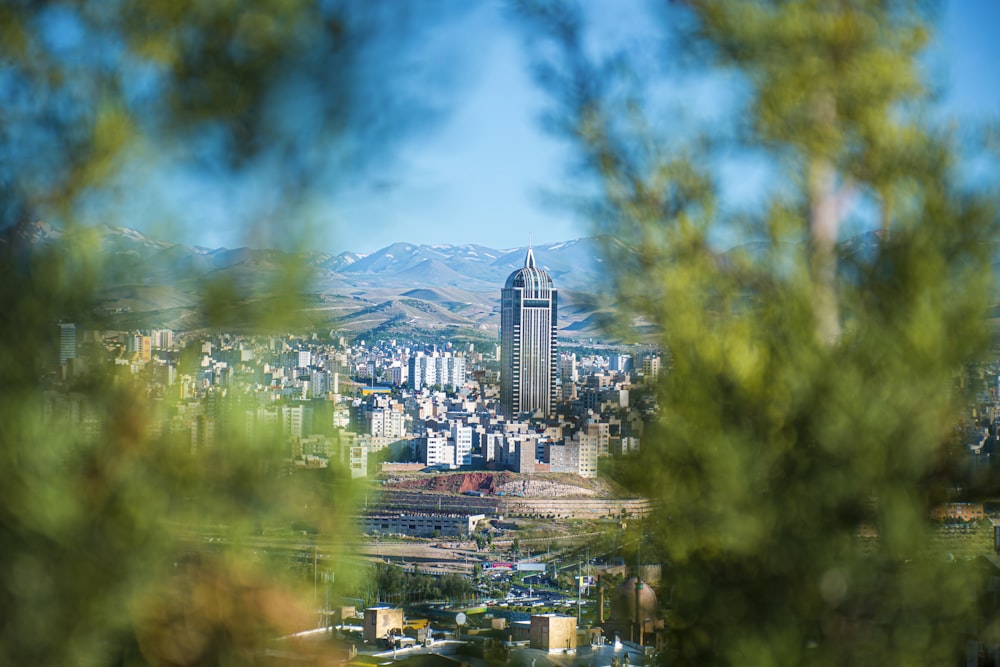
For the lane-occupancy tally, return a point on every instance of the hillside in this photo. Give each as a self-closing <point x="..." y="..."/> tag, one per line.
<point x="402" y="290"/>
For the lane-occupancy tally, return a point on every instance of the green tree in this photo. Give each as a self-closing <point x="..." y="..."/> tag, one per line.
<point x="103" y="550"/>
<point x="455" y="587"/>
<point x="813" y="383"/>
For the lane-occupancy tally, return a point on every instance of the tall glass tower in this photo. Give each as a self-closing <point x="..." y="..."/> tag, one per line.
<point x="528" y="342"/>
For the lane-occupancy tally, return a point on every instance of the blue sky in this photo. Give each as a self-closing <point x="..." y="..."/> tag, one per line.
<point x="480" y="176"/>
<point x="970" y="47"/>
<point x="488" y="173"/>
<point x="484" y="171"/>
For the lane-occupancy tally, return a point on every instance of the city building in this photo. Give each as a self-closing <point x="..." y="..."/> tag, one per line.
<point x="418" y="524"/>
<point x="67" y="342"/>
<point x="289" y="389"/>
<point x="651" y="367"/>
<point x="568" y="371"/>
<point x="461" y="437"/>
<point x="427" y="370"/>
<point x="528" y="341"/>
<point x="553" y="632"/>
<point x="435" y="450"/>
<point x="161" y="339"/>
<point x="620" y="362"/>
<point x="139" y="346"/>
<point x="634" y="615"/>
<point x="380" y="622"/>
<point x="359" y="461"/>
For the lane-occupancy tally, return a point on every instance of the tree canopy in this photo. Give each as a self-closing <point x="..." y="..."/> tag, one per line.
<point x="814" y="377"/>
<point x="120" y="544"/>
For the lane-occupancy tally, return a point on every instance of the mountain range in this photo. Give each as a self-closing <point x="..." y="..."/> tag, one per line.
<point x="402" y="288"/>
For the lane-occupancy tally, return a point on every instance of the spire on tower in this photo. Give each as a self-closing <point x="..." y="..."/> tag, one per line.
<point x="529" y="261"/>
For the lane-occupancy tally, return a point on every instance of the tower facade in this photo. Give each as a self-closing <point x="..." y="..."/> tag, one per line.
<point x="529" y="355"/>
<point x="67" y="342"/>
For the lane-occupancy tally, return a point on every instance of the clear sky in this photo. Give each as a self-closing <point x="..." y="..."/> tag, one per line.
<point x="484" y="171"/>
<point x="971" y="50"/>
<point x="482" y="176"/>
<point x="487" y="173"/>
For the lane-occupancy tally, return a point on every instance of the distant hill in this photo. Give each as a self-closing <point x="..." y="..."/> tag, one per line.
<point x="404" y="288"/>
<point x="572" y="264"/>
<point x="401" y="290"/>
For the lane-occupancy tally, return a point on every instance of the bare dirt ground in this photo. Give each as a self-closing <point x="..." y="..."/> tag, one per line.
<point x="441" y="555"/>
<point x="542" y="485"/>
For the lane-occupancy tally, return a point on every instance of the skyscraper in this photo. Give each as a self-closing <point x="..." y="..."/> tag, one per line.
<point x="67" y="342"/>
<point x="528" y="344"/>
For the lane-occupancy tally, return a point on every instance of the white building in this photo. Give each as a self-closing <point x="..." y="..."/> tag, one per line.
<point x="461" y="437"/>
<point x="317" y="382"/>
<point x="428" y="370"/>
<point x="296" y="420"/>
<point x="386" y="422"/>
<point x="568" y="371"/>
<point x="435" y="450"/>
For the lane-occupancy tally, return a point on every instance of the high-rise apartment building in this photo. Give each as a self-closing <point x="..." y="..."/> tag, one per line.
<point x="398" y="373"/>
<point x="568" y="371"/>
<point x="620" y="362"/>
<point x="461" y="437"/>
<point x="651" y="367"/>
<point x="139" y="346"/>
<point x="427" y="370"/>
<point x="67" y="342"/>
<point x="161" y="339"/>
<point x="528" y="341"/>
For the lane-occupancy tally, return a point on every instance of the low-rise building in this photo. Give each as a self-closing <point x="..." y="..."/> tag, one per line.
<point x="553" y="632"/>
<point x="965" y="512"/>
<point x="420" y="524"/>
<point x="381" y="622"/>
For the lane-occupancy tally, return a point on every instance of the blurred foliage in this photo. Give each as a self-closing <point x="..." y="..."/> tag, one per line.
<point x="392" y="584"/>
<point x="119" y="544"/>
<point x="127" y="546"/>
<point x="814" y="382"/>
<point x="282" y="101"/>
